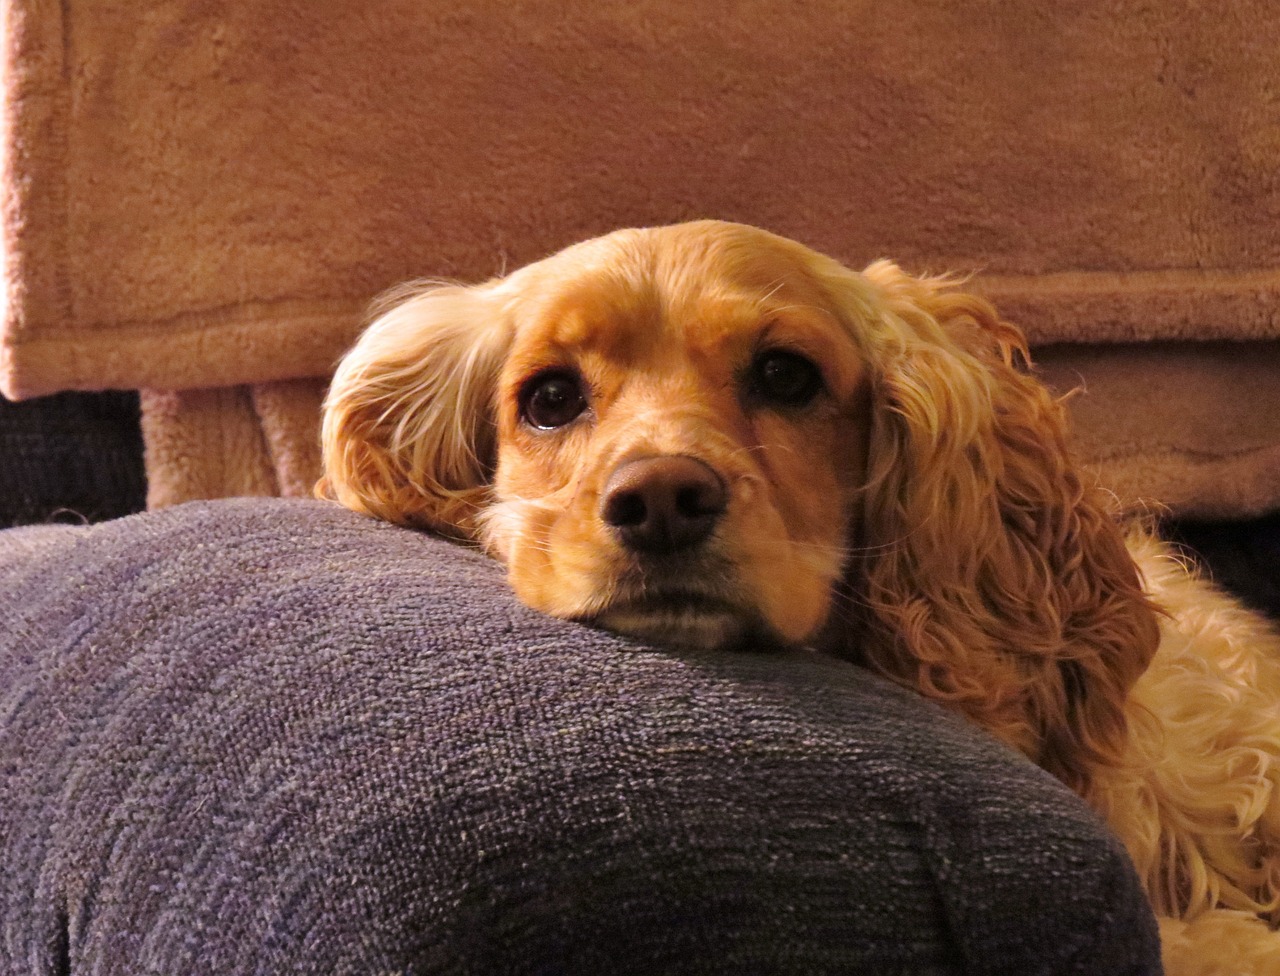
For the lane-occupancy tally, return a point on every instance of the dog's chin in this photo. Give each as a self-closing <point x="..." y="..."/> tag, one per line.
<point x="694" y="623"/>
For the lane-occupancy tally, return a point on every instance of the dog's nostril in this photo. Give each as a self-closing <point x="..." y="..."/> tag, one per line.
<point x="662" y="504"/>
<point x="693" y="501"/>
<point x="624" y="509"/>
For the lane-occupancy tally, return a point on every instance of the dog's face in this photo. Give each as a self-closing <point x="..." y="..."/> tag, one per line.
<point x="681" y="429"/>
<point x="710" y="435"/>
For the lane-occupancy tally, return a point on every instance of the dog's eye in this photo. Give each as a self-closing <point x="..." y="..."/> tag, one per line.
<point x="552" y="400"/>
<point x="784" y="379"/>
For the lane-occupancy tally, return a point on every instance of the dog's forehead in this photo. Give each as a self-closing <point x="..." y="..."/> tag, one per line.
<point x="627" y="295"/>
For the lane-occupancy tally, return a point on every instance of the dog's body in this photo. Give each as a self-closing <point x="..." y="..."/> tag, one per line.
<point x="711" y="435"/>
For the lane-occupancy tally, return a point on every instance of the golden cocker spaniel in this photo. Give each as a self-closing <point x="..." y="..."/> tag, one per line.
<point x="711" y="435"/>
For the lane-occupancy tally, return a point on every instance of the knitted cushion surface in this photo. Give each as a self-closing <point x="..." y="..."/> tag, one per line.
<point x="266" y="736"/>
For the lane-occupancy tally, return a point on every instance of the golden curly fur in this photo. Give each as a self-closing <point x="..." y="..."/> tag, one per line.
<point x="865" y="465"/>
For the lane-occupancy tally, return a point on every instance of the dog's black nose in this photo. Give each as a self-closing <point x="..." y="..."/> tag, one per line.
<point x="663" y="504"/>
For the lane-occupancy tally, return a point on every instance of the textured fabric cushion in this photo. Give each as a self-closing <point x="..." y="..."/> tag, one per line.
<point x="266" y="736"/>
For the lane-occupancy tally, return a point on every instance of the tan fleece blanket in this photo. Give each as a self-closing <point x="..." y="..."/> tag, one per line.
<point x="206" y="195"/>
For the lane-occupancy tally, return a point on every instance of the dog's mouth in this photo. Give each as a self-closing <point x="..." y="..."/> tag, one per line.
<point x="686" y="618"/>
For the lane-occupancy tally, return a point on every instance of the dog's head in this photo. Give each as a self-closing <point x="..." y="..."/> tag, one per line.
<point x="709" y="434"/>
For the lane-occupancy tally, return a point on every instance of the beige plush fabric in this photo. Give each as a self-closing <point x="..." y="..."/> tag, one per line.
<point x="202" y="195"/>
<point x="223" y="442"/>
<point x="206" y="443"/>
<point x="1185" y="428"/>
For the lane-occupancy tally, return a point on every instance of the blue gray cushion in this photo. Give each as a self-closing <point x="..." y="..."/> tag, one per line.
<point x="264" y="736"/>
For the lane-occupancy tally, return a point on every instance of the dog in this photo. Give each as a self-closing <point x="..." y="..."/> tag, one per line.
<point x="711" y="435"/>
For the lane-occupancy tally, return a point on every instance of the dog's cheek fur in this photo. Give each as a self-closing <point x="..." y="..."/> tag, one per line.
<point x="792" y="586"/>
<point x="545" y="573"/>
<point x="792" y="530"/>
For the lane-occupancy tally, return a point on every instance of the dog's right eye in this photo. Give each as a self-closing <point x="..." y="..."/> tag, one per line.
<point x="784" y="379"/>
<point x="551" y="400"/>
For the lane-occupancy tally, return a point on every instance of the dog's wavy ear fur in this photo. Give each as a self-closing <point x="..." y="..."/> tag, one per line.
<point x="408" y="430"/>
<point x="989" y="576"/>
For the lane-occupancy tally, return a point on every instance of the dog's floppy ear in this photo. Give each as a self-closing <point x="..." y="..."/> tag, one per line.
<point x="408" y="431"/>
<point x="991" y="577"/>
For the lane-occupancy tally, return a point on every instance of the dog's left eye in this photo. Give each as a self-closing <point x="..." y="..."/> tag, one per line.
<point x="784" y="378"/>
<point x="552" y="400"/>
